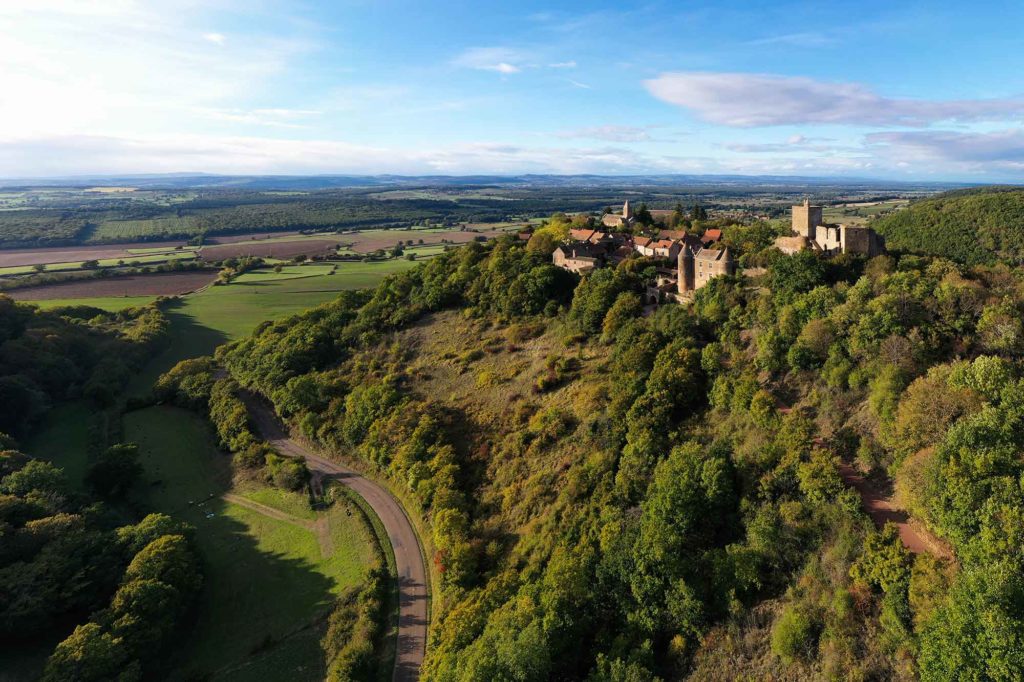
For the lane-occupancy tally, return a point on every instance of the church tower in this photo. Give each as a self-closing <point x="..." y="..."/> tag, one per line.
<point x="627" y="212"/>
<point x="684" y="270"/>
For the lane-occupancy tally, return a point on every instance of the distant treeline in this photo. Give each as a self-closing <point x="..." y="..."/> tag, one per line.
<point x="59" y="221"/>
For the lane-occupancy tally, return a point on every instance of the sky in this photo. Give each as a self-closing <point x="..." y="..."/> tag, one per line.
<point x="907" y="90"/>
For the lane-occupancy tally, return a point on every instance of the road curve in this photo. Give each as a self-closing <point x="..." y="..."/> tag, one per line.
<point x="412" y="582"/>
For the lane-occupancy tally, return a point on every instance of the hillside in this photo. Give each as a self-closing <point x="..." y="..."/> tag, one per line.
<point x="618" y="496"/>
<point x="968" y="226"/>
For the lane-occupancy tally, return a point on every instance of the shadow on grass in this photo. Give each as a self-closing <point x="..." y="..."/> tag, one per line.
<point x="261" y="608"/>
<point x="188" y="339"/>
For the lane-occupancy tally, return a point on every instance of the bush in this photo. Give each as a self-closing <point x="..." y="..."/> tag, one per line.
<point x="287" y="472"/>
<point x="794" y="635"/>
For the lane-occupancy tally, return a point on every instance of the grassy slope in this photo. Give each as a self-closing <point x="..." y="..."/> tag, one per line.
<point x="266" y="581"/>
<point x="967" y="226"/>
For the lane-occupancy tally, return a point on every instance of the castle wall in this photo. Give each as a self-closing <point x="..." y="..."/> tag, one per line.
<point x="861" y="240"/>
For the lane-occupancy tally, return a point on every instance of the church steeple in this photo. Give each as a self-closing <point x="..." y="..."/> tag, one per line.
<point x="627" y="212"/>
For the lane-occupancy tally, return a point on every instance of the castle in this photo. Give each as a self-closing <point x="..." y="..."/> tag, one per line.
<point x="811" y="232"/>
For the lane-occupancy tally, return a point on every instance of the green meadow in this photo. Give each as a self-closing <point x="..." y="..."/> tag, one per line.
<point x="268" y="581"/>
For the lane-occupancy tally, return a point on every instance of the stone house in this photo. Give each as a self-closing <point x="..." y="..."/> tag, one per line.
<point x="579" y="257"/>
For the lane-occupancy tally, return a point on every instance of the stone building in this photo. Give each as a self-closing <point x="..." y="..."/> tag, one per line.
<point x="697" y="267"/>
<point x="579" y="257"/>
<point x="811" y="232"/>
<point x="613" y="220"/>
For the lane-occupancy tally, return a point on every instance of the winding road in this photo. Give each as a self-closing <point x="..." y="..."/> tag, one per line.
<point x="412" y="582"/>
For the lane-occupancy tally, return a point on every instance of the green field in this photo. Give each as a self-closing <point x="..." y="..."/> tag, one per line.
<point x="266" y="580"/>
<point x="287" y="272"/>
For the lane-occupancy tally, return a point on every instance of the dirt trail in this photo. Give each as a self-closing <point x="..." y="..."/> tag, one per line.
<point x="879" y="505"/>
<point x="412" y="573"/>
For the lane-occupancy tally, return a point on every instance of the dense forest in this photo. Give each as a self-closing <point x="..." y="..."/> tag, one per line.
<point x="974" y="227"/>
<point x="614" y="496"/>
<point x="78" y="563"/>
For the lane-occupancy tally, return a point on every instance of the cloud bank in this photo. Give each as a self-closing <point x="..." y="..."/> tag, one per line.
<point x="748" y="100"/>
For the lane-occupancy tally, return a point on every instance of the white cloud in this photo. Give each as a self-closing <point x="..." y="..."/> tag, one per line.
<point x="501" y="59"/>
<point x="998" y="151"/>
<point x="280" y="118"/>
<point x="608" y="133"/>
<point x="578" y="84"/>
<point x="751" y="100"/>
<point x="794" y="143"/>
<point x="94" y="154"/>
<point x="507" y="60"/>
<point x="215" y="38"/>
<point x="124" y="67"/>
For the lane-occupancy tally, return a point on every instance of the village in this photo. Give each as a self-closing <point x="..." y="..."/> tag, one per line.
<point x="691" y="261"/>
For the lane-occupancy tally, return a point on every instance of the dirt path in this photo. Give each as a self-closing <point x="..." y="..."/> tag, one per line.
<point x="321" y="527"/>
<point x="879" y="505"/>
<point x="412" y="580"/>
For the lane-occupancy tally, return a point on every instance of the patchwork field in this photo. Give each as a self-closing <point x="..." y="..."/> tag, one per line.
<point x="73" y="254"/>
<point x="133" y="286"/>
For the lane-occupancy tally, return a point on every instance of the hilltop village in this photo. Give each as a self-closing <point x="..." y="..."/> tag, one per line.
<point x="692" y="260"/>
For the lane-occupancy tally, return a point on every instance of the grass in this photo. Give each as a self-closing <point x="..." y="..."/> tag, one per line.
<point x="63" y="439"/>
<point x="287" y="272"/>
<point x="266" y="583"/>
<point x="111" y="303"/>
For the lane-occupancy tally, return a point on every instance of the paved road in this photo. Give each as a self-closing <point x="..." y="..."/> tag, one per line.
<point x="412" y="582"/>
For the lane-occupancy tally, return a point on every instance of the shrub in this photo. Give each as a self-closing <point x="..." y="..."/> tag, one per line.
<point x="287" y="472"/>
<point x="794" y="634"/>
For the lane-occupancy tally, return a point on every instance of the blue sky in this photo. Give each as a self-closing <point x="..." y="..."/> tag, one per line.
<point x="930" y="91"/>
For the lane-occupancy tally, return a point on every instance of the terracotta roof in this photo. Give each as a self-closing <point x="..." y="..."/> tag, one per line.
<point x="713" y="235"/>
<point x="672" y="234"/>
<point x="581" y="235"/>
<point x="662" y="244"/>
<point x="642" y="241"/>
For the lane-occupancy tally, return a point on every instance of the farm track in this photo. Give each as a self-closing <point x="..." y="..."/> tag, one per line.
<point x="409" y="563"/>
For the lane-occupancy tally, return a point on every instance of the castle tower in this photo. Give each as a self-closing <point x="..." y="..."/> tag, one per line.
<point x="806" y="219"/>
<point x="684" y="270"/>
<point x="627" y="212"/>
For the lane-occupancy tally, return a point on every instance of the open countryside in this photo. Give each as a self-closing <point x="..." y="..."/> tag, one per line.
<point x="427" y="342"/>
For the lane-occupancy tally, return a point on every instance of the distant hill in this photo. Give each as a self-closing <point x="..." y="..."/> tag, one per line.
<point x="971" y="226"/>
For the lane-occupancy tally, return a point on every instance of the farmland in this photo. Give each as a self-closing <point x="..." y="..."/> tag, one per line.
<point x="202" y="321"/>
<point x="157" y="284"/>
